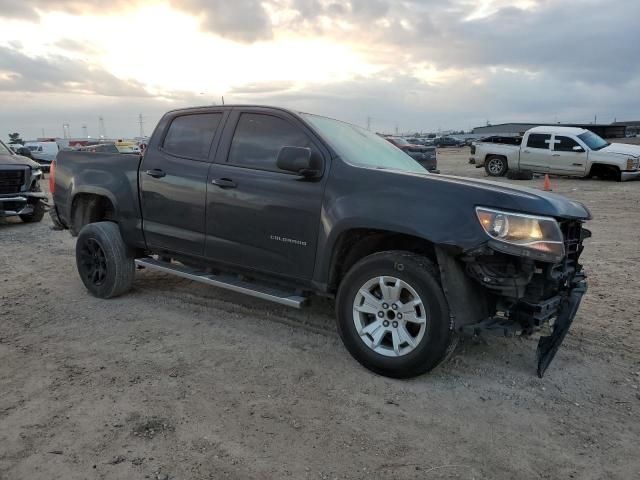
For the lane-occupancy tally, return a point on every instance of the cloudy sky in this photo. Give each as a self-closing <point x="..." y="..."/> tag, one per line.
<point x="411" y="64"/>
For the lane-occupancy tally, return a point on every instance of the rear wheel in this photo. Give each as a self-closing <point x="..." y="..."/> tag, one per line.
<point x="495" y="166"/>
<point x="105" y="263"/>
<point x="392" y="314"/>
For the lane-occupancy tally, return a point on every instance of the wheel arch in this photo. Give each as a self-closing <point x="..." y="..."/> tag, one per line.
<point x="91" y="206"/>
<point x="354" y="244"/>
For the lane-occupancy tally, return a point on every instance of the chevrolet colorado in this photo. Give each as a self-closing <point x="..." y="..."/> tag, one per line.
<point x="282" y="205"/>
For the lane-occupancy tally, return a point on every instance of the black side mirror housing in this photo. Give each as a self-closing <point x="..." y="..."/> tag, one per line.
<point x="298" y="160"/>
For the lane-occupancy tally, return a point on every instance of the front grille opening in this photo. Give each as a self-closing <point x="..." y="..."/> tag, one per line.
<point x="11" y="181"/>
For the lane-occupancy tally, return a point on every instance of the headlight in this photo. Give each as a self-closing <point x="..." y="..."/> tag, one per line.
<point x="36" y="173"/>
<point x="531" y="235"/>
<point x="632" y="163"/>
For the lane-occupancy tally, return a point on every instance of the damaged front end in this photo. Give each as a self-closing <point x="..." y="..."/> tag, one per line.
<point x="521" y="293"/>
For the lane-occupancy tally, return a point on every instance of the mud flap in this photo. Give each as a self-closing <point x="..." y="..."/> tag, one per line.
<point x="548" y="346"/>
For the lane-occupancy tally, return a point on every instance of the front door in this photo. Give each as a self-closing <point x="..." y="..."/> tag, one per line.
<point x="565" y="160"/>
<point x="173" y="183"/>
<point x="535" y="155"/>
<point x="258" y="216"/>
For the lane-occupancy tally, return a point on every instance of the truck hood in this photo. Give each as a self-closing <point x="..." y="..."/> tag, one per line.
<point x="17" y="160"/>
<point x="621" y="149"/>
<point x="503" y="196"/>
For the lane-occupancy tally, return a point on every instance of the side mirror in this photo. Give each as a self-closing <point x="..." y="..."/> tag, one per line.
<point x="578" y="148"/>
<point x="298" y="160"/>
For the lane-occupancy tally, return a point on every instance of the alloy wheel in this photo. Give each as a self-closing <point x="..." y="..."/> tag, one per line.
<point x="389" y="316"/>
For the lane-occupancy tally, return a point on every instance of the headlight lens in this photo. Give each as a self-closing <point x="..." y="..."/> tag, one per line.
<point x="530" y="232"/>
<point x="632" y="163"/>
<point x="37" y="173"/>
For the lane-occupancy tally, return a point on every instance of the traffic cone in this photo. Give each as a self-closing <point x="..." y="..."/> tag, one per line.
<point x="547" y="183"/>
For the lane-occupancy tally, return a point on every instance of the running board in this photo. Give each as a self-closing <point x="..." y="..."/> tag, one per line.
<point x="224" y="281"/>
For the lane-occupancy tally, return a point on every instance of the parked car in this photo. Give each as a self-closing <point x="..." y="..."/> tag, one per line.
<point x="425" y="156"/>
<point x="281" y="205"/>
<point x="43" y="153"/>
<point x="560" y="151"/>
<point x="20" y="193"/>
<point x="100" y="148"/>
<point x="446" y="142"/>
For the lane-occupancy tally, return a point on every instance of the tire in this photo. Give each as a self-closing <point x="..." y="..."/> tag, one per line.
<point x="36" y="215"/>
<point x="496" y="166"/>
<point x="105" y="263"/>
<point x="431" y="332"/>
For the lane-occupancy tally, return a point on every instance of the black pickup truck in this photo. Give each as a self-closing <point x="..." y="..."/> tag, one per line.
<point x="284" y="205"/>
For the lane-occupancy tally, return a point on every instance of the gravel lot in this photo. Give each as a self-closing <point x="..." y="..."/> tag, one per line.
<point x="177" y="380"/>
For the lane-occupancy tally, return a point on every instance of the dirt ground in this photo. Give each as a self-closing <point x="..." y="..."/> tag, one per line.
<point x="178" y="380"/>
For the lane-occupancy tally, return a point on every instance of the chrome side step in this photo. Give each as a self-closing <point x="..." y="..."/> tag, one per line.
<point x="225" y="281"/>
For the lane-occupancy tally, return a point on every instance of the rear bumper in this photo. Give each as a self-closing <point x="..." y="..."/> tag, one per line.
<point x="624" y="176"/>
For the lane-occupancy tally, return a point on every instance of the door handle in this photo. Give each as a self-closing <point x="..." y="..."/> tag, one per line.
<point x="155" y="173"/>
<point x="527" y="151"/>
<point x="555" y="155"/>
<point x="224" y="183"/>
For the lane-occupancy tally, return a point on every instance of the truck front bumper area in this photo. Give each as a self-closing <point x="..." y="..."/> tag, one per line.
<point x="20" y="203"/>
<point x="629" y="175"/>
<point x="548" y="346"/>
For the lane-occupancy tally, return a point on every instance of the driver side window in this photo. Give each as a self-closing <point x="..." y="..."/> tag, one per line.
<point x="564" y="144"/>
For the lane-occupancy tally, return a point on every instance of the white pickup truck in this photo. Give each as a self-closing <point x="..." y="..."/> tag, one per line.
<point x="560" y="151"/>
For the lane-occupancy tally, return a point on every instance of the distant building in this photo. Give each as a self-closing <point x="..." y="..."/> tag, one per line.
<point x="631" y="127"/>
<point x="613" y="130"/>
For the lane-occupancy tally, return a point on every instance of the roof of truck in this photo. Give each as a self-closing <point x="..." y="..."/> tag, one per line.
<point x="556" y="129"/>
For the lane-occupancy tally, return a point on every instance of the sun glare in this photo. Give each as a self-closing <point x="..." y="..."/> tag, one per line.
<point x="166" y="51"/>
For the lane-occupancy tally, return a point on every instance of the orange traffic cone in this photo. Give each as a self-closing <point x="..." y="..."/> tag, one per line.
<point x="547" y="183"/>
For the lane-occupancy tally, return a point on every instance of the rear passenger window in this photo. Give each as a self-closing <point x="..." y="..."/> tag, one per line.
<point x="539" y="140"/>
<point x="191" y="135"/>
<point x="258" y="139"/>
<point x="564" y="144"/>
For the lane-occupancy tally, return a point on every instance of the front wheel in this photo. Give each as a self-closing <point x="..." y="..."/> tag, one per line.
<point x="392" y="314"/>
<point x="496" y="166"/>
<point x="105" y="263"/>
<point x="36" y="215"/>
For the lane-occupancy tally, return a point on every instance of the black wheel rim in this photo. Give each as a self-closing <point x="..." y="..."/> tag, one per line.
<point x="93" y="262"/>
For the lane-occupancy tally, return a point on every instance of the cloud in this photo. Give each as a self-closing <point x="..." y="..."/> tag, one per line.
<point x="22" y="73"/>
<point x="241" y="20"/>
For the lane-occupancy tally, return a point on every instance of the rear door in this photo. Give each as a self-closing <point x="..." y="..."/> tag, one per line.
<point x="258" y="216"/>
<point x="564" y="159"/>
<point x="173" y="181"/>
<point x="536" y="154"/>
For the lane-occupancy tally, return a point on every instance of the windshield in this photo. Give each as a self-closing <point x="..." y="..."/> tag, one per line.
<point x="593" y="141"/>
<point x="4" y="150"/>
<point x="360" y="147"/>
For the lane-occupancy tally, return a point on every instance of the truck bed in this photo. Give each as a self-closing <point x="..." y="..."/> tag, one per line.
<point x="112" y="175"/>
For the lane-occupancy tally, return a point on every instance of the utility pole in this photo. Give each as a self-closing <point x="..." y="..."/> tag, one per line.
<point x="369" y="123"/>
<point x="43" y="133"/>
<point x="85" y="131"/>
<point x="222" y="100"/>
<point x="396" y="129"/>
<point x="141" y="122"/>
<point x="102" y="132"/>
<point x="66" y="131"/>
